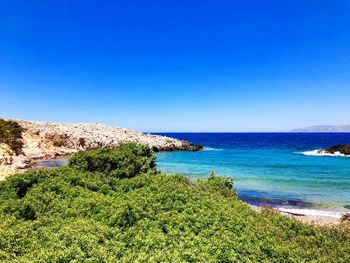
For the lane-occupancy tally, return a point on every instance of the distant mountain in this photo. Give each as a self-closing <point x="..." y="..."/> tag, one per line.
<point x="324" y="128"/>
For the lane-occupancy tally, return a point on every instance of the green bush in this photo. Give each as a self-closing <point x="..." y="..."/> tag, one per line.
<point x="220" y="184"/>
<point x="125" y="161"/>
<point x="73" y="215"/>
<point x="11" y="134"/>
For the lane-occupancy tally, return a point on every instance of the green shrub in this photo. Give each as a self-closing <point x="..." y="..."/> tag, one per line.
<point x="125" y="161"/>
<point x="219" y="184"/>
<point x="58" y="143"/>
<point x="74" y="215"/>
<point x="11" y="134"/>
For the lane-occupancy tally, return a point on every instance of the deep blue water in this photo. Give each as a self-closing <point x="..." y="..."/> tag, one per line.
<point x="269" y="168"/>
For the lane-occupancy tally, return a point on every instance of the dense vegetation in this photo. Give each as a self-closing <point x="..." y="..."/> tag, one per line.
<point x="126" y="161"/>
<point x="11" y="134"/>
<point x="87" y="213"/>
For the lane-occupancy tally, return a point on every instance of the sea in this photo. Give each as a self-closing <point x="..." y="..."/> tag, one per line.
<point x="282" y="170"/>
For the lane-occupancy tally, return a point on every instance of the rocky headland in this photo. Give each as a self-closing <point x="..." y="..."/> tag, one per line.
<point x="49" y="140"/>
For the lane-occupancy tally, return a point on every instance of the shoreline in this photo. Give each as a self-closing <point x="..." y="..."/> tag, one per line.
<point x="306" y="215"/>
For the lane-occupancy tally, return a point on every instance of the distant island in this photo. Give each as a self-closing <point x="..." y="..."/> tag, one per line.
<point x="325" y="128"/>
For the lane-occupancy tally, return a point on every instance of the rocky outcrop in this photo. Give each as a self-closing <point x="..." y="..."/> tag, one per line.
<point x="6" y="160"/>
<point x="342" y="148"/>
<point x="49" y="140"/>
<point x="6" y="154"/>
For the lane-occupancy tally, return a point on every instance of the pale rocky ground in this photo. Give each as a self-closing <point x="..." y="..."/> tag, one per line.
<point x="6" y="161"/>
<point x="49" y="140"/>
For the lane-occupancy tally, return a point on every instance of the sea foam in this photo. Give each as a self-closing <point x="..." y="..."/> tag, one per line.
<point x="211" y="149"/>
<point x="319" y="152"/>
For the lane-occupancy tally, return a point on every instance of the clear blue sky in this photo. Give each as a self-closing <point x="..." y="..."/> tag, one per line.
<point x="177" y="65"/>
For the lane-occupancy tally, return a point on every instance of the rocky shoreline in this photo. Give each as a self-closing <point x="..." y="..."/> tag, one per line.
<point x="341" y="148"/>
<point x="49" y="140"/>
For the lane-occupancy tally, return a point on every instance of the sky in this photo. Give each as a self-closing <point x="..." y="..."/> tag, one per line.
<point x="177" y="66"/>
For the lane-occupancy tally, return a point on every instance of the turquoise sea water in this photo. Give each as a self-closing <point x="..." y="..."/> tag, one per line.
<point x="278" y="169"/>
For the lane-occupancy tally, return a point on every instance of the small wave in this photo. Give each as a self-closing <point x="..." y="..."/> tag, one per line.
<point x="319" y="152"/>
<point x="211" y="149"/>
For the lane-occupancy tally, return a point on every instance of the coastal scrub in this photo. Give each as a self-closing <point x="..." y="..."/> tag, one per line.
<point x="11" y="134"/>
<point x="125" y="161"/>
<point x="83" y="213"/>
